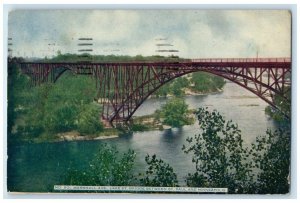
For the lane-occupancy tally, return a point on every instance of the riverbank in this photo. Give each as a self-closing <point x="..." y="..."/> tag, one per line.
<point x="190" y="92"/>
<point x="142" y="123"/>
<point x="108" y="133"/>
<point x="35" y="166"/>
<point x="75" y="136"/>
<point x="139" y="124"/>
<point x="155" y="121"/>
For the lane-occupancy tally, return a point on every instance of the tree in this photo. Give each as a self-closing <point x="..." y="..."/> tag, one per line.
<point x="182" y="81"/>
<point x="205" y="82"/>
<point x="178" y="85"/>
<point x="164" y="90"/>
<point x="51" y="108"/>
<point x="56" y="107"/>
<point x="62" y="118"/>
<point x="219" y="155"/>
<point x="159" y="173"/>
<point x="282" y="113"/>
<point x="16" y="87"/>
<point x="177" y="89"/>
<point x="107" y="168"/>
<point x="24" y="103"/>
<point x="271" y="154"/>
<point x="88" y="121"/>
<point x="175" y="113"/>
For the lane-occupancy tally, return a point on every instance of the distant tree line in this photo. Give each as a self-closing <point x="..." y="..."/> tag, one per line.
<point x="68" y="57"/>
<point x="199" y="82"/>
<point x="48" y="109"/>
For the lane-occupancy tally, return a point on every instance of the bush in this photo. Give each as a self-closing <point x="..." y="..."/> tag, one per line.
<point x="159" y="173"/>
<point x="221" y="160"/>
<point x="89" y="120"/>
<point x="271" y="154"/>
<point x="61" y="119"/>
<point x="218" y="154"/>
<point x="178" y="85"/>
<point x="107" y="168"/>
<point x="205" y="82"/>
<point x="174" y="113"/>
<point x="138" y="127"/>
<point x="29" y="131"/>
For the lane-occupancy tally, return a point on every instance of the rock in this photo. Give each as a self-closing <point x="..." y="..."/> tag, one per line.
<point x="166" y="127"/>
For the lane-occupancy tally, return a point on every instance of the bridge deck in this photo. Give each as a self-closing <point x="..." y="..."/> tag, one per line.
<point x="124" y="86"/>
<point x="186" y="61"/>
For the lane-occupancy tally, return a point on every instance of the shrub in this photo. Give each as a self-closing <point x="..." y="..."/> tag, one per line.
<point x="159" y="173"/>
<point x="107" y="168"/>
<point x="174" y="113"/>
<point x="89" y="120"/>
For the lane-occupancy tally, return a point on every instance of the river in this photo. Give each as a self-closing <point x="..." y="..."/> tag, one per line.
<point x="37" y="167"/>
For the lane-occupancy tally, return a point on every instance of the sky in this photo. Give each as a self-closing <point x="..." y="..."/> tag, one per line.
<point x="194" y="33"/>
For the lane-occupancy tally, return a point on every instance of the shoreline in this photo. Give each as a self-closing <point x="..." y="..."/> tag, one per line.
<point x="189" y="92"/>
<point x="147" y="121"/>
<point x="65" y="137"/>
<point x="76" y="136"/>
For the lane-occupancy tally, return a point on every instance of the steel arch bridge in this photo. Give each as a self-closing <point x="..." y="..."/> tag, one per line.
<point x="124" y="86"/>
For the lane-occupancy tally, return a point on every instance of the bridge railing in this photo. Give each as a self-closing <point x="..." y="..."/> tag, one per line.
<point x="236" y="60"/>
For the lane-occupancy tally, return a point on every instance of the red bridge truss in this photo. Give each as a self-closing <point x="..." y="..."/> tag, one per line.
<point x="124" y="86"/>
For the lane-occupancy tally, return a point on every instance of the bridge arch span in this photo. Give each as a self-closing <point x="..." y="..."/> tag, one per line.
<point x="60" y="72"/>
<point x="267" y="95"/>
<point x="123" y="87"/>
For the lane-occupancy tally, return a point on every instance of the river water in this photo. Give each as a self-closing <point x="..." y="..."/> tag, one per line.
<point x="37" y="167"/>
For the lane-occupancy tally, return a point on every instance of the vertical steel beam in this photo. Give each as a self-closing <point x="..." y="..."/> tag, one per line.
<point x="123" y="87"/>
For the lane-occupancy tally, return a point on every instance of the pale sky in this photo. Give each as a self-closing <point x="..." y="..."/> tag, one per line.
<point x="195" y="33"/>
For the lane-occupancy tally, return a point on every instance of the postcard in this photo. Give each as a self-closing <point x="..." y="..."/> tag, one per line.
<point x="149" y="101"/>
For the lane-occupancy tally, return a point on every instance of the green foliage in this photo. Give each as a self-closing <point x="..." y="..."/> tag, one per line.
<point x="88" y="120"/>
<point x="25" y="105"/>
<point x="77" y="89"/>
<point x="218" y="154"/>
<point x="199" y="82"/>
<point x="51" y="108"/>
<point x="16" y="87"/>
<point x="61" y="119"/>
<point x="159" y="173"/>
<point x="220" y="158"/>
<point x="67" y="57"/>
<point x="205" y="82"/>
<point x="107" y="168"/>
<point x="164" y="90"/>
<point x="58" y="107"/>
<point x="175" y="113"/>
<point x="271" y="155"/>
<point x="136" y="127"/>
<point x="29" y="131"/>
<point x="178" y="85"/>
<point x="282" y="114"/>
<point x="174" y="87"/>
<point x="182" y="82"/>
